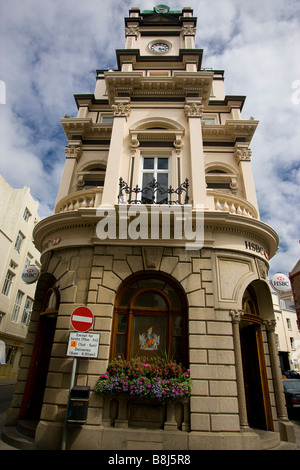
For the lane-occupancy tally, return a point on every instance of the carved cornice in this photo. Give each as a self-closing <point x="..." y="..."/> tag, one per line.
<point x="135" y="84"/>
<point x="229" y="131"/>
<point x="85" y="128"/>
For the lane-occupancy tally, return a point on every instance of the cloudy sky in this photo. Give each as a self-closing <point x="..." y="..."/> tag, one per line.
<point x="50" y="50"/>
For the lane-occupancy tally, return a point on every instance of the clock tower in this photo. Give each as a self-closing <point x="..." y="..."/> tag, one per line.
<point x="156" y="229"/>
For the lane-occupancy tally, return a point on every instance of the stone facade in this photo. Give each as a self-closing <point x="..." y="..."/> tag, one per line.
<point x="162" y="103"/>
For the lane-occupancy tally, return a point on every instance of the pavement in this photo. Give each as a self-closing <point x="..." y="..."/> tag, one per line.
<point x="4" y="446"/>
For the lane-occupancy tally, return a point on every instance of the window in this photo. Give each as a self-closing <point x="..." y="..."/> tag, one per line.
<point x="27" y="311"/>
<point x="7" y="283"/>
<point x="292" y="341"/>
<point x="91" y="178"/>
<point x="12" y="264"/>
<point x="288" y="322"/>
<point x="17" y="306"/>
<point x="106" y="118"/>
<point x="19" y="241"/>
<point x="158" y="169"/>
<point x="26" y="214"/>
<point x="150" y="320"/>
<point x="209" y="120"/>
<point x="220" y="179"/>
<point x="28" y="261"/>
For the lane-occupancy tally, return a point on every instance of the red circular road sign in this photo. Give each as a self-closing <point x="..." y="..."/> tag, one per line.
<point x="82" y="319"/>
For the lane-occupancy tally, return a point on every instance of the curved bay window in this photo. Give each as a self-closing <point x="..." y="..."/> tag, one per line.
<point x="150" y="320"/>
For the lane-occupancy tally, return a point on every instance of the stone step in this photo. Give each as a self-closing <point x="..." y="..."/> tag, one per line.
<point x="13" y="437"/>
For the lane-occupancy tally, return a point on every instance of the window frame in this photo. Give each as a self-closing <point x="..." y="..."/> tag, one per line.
<point x="170" y="312"/>
<point x="156" y="171"/>
<point x="7" y="283"/>
<point x="19" y="241"/>
<point x="17" y="306"/>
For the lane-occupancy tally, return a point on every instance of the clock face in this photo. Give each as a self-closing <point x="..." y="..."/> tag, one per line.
<point x="159" y="47"/>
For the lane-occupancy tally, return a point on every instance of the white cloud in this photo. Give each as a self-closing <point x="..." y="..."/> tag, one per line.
<point x="51" y="49"/>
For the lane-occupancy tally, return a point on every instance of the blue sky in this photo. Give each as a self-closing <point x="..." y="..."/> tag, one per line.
<point x="50" y="50"/>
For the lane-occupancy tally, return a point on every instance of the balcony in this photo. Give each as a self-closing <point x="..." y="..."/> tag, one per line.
<point x="153" y="193"/>
<point x="217" y="201"/>
<point x="80" y="199"/>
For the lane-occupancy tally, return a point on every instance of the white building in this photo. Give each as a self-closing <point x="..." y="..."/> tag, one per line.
<point x="18" y="216"/>
<point x="287" y="333"/>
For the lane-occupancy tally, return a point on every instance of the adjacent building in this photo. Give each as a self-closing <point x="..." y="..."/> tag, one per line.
<point x="295" y="284"/>
<point x="18" y="217"/>
<point x="156" y="228"/>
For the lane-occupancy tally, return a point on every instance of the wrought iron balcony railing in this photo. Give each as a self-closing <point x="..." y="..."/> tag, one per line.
<point x="153" y="193"/>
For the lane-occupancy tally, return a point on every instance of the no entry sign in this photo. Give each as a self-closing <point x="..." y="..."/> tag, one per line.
<point x="82" y="319"/>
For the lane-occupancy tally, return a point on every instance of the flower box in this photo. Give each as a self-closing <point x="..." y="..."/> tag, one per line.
<point x="159" y="380"/>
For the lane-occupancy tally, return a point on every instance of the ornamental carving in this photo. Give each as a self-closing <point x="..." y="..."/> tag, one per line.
<point x="270" y="325"/>
<point x="242" y="154"/>
<point x="188" y="31"/>
<point x="193" y="110"/>
<point x="73" y="151"/>
<point x="121" y="109"/>
<point x="236" y="315"/>
<point x="132" y="31"/>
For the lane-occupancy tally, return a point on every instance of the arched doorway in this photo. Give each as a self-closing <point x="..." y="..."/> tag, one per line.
<point x="39" y="363"/>
<point x="150" y="319"/>
<point x="254" y="365"/>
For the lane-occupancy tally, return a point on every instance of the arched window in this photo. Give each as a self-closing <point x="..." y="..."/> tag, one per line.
<point x="51" y="301"/>
<point x="250" y="305"/>
<point x="150" y="320"/>
<point x="91" y="177"/>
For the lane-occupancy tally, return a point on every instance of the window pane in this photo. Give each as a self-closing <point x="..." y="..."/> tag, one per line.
<point x="162" y="179"/>
<point x="163" y="164"/>
<point x="150" y="299"/>
<point x="120" y="347"/>
<point x="128" y="294"/>
<point x="122" y="324"/>
<point x="177" y="326"/>
<point x="149" y="337"/>
<point x="148" y="163"/>
<point x="162" y="195"/>
<point x="177" y="349"/>
<point x="148" y="194"/>
<point x="147" y="178"/>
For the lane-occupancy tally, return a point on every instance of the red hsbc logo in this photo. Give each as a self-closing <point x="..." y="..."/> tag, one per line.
<point x="55" y="241"/>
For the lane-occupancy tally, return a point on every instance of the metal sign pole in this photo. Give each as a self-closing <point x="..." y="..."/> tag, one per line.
<point x="72" y="381"/>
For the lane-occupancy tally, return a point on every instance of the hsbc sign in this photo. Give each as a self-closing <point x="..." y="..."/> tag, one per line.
<point x="281" y="282"/>
<point x="256" y="248"/>
<point x="30" y="274"/>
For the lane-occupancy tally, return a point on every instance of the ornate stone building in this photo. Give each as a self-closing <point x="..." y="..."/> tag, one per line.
<point x="156" y="224"/>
